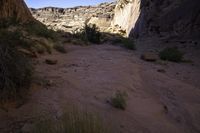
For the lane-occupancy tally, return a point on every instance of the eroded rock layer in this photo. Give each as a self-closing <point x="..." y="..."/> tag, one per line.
<point x="73" y="19"/>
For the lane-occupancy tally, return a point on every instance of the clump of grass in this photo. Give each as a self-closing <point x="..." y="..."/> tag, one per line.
<point x="171" y="54"/>
<point x="40" y="30"/>
<point x="117" y="41"/>
<point x="72" y="121"/>
<point x="15" y="68"/>
<point x="119" y="100"/>
<point x="90" y="33"/>
<point x="128" y="43"/>
<point x="39" y="48"/>
<point x="125" y="42"/>
<point x="60" y="48"/>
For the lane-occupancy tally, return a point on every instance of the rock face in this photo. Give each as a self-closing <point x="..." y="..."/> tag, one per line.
<point x="175" y="18"/>
<point x="73" y="19"/>
<point x="16" y="9"/>
<point x="126" y="15"/>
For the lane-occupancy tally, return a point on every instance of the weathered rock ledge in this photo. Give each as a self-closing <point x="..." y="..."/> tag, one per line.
<point x="73" y="19"/>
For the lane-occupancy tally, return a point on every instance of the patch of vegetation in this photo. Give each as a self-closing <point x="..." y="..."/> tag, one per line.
<point x="15" y="68"/>
<point x="60" y="48"/>
<point x="117" y="40"/>
<point x="119" y="100"/>
<point x="39" y="48"/>
<point x="40" y="30"/>
<point x="72" y="121"/>
<point x="129" y="43"/>
<point x="90" y="33"/>
<point x="171" y="54"/>
<point x="125" y="42"/>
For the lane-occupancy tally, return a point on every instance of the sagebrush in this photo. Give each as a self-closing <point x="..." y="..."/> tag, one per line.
<point x="171" y="54"/>
<point x="90" y="33"/>
<point x="119" y="100"/>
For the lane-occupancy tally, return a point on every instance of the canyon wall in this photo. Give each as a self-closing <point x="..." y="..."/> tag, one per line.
<point x="175" y="18"/>
<point x="73" y="19"/>
<point x="15" y="9"/>
<point x="126" y="15"/>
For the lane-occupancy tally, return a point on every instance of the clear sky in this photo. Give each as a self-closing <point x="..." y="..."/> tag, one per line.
<point x="62" y="3"/>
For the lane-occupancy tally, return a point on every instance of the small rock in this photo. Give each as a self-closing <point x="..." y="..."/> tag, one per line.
<point x="51" y="61"/>
<point x="161" y="71"/>
<point x="166" y="109"/>
<point x="49" y="83"/>
<point x="149" y="56"/>
<point x="108" y="101"/>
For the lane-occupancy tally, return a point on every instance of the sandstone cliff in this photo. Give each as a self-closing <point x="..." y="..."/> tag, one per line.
<point x="175" y="18"/>
<point x="16" y="9"/>
<point x="126" y="15"/>
<point x="73" y="19"/>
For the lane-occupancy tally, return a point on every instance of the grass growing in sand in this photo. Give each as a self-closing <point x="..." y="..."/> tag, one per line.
<point x="119" y="100"/>
<point x="72" y="121"/>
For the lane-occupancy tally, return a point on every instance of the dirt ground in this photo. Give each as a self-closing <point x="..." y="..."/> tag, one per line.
<point x="88" y="76"/>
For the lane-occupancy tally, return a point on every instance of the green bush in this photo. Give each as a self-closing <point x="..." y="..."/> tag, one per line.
<point x="125" y="42"/>
<point x="171" y="54"/>
<point x="90" y="33"/>
<point x="116" y="41"/>
<point x="72" y="121"/>
<point x="15" y="68"/>
<point x="119" y="100"/>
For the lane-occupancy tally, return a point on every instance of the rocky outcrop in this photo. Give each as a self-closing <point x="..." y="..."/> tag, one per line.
<point x="73" y="19"/>
<point x="126" y="15"/>
<point x="15" y="9"/>
<point x="175" y="18"/>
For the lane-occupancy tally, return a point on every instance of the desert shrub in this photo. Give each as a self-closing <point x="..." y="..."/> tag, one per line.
<point x="72" y="121"/>
<point x="60" y="48"/>
<point x="39" y="48"/>
<point x="15" y="68"/>
<point x="171" y="54"/>
<point x="116" y="41"/>
<point x="125" y="42"/>
<point x="128" y="43"/>
<point x="40" y="30"/>
<point x="119" y="100"/>
<point x="89" y="33"/>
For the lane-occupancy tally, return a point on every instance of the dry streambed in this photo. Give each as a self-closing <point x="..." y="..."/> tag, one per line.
<point x="89" y="76"/>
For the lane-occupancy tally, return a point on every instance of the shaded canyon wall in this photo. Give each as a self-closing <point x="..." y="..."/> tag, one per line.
<point x="175" y="18"/>
<point x="15" y="9"/>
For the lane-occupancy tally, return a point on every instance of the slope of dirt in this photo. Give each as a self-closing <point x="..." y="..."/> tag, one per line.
<point x="88" y="77"/>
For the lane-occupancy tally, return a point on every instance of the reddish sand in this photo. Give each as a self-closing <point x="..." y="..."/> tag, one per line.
<point x="89" y="76"/>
